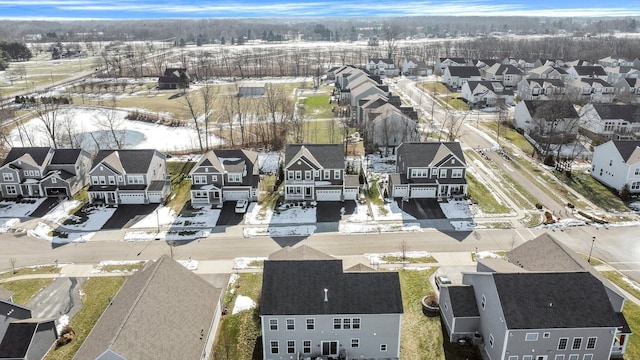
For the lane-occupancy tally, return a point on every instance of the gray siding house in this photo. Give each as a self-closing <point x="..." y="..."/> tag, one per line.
<point x="429" y="170"/>
<point x="44" y="172"/>
<point x="311" y="309"/>
<point x="316" y="172"/>
<point x="129" y="177"/>
<point x="225" y="175"/>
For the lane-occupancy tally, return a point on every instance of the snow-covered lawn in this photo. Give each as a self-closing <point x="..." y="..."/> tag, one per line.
<point x="375" y="228"/>
<point x="464" y="225"/>
<point x="388" y="211"/>
<point x="269" y="162"/>
<point x="11" y="209"/>
<point x="182" y="235"/>
<point x="280" y="231"/>
<point x="42" y="231"/>
<point x="378" y="258"/>
<point x="244" y="263"/>
<point x="257" y="216"/>
<point x="488" y="255"/>
<point x="456" y="209"/>
<point x="96" y="218"/>
<point x="201" y="217"/>
<point x="161" y="216"/>
<point x="6" y="224"/>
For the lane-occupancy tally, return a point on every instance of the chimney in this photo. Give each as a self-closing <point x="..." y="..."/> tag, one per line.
<point x="326" y="295"/>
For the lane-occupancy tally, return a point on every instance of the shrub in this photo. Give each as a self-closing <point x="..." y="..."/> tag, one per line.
<point x="538" y="206"/>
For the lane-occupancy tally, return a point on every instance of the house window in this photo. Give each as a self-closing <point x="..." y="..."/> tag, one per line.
<point x="531" y="337"/>
<point x="355" y="343"/>
<point x="546" y="335"/>
<point x="234" y="178"/>
<point x="200" y="194"/>
<point x="337" y="324"/>
<point x="291" y="347"/>
<point x="311" y="324"/>
<point x="456" y="173"/>
<point x="636" y="172"/>
<point x="559" y="357"/>
<point x="200" y="179"/>
<point x="326" y="174"/>
<point x="7" y="176"/>
<point x="316" y="174"/>
<point x="434" y="172"/>
<point x="273" y="324"/>
<point x="306" y="346"/>
<point x="562" y="343"/>
<point x="383" y="347"/>
<point x="54" y="180"/>
<point x="120" y="178"/>
<point x="291" y="324"/>
<point x="11" y="190"/>
<point x="112" y="180"/>
<point x="574" y="357"/>
<point x="290" y="175"/>
<point x="416" y="173"/>
<point x="356" y="323"/>
<point x="103" y="180"/>
<point x="346" y="324"/>
<point x="577" y="343"/>
<point x="307" y="175"/>
<point x="635" y="185"/>
<point x="484" y="302"/>
<point x="274" y="347"/>
<point x="135" y="179"/>
<point x="591" y="343"/>
<point x="298" y="175"/>
<point x="587" y="357"/>
<point x="513" y="357"/>
<point x="36" y="172"/>
<point x="527" y="357"/>
<point x="491" y="340"/>
<point x="610" y="162"/>
<point x="443" y="173"/>
<point x="337" y="174"/>
<point x="94" y="180"/>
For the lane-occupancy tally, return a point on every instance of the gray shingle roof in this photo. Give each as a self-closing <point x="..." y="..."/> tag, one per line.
<point x="131" y="161"/>
<point x="302" y="252"/>
<point x="424" y="153"/>
<point x="19" y="337"/>
<point x="39" y="154"/>
<point x="65" y="156"/>
<point x="463" y="301"/>
<point x="329" y="156"/>
<point x="626" y="148"/>
<point x="297" y="288"/>
<point x="464" y="71"/>
<point x="543" y="108"/>
<point x="162" y="309"/>
<point x="554" y="300"/>
<point x="596" y="70"/>
<point x="627" y="112"/>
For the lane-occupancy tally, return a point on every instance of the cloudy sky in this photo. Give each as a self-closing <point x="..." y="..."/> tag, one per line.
<point x="147" y="9"/>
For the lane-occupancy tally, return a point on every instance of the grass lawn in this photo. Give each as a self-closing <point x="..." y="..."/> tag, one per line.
<point x="45" y="269"/>
<point x="511" y="135"/>
<point x="317" y="106"/>
<point x="123" y="267"/>
<point x="322" y="132"/>
<point x="25" y="289"/>
<point x="433" y="87"/>
<point x="485" y="198"/>
<point x="408" y="260"/>
<point x="97" y="294"/>
<point x="631" y="312"/>
<point x="238" y="333"/>
<point x="180" y="185"/>
<point x="594" y="191"/>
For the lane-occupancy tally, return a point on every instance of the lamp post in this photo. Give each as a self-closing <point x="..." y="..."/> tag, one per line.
<point x="593" y="241"/>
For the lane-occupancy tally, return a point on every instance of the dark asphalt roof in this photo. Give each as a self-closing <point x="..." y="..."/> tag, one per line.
<point x="463" y="301"/>
<point x="590" y="70"/>
<point x="422" y="154"/>
<point x="596" y="81"/>
<point x="626" y="148"/>
<point x="464" y="71"/>
<point x="627" y="112"/>
<point x="554" y="300"/>
<point x="39" y="154"/>
<point x="329" y="156"/>
<point x="297" y="288"/>
<point x="19" y="336"/>
<point x="66" y="156"/>
<point x="544" y="108"/>
<point x="132" y="161"/>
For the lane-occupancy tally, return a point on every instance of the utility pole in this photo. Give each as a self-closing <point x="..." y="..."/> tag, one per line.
<point x="593" y="241"/>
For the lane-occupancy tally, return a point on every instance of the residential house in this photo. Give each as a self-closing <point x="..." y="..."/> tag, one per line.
<point x="225" y="175"/>
<point x="382" y="67"/>
<point x="10" y="312"/>
<point x="174" y="78"/>
<point x="591" y="90"/>
<point x="508" y="75"/>
<point x="550" y="62"/>
<point x="162" y="310"/>
<point x="413" y="67"/>
<point x="364" y="88"/>
<point x="28" y="339"/>
<point x="546" y="120"/>
<point x="444" y="62"/>
<point x="129" y="177"/>
<point x="628" y="90"/>
<point x="616" y="164"/>
<point x="610" y="61"/>
<point x="587" y="72"/>
<point x="483" y="64"/>
<point x="577" y="62"/>
<point x="251" y="89"/>
<point x="486" y="93"/>
<point x="316" y="172"/>
<point x="614" y="74"/>
<point x="429" y="170"/>
<point x="543" y="89"/>
<point x="312" y="308"/>
<point x="388" y="126"/>
<point x="456" y="76"/>
<point x="548" y="72"/>
<point x="44" y="172"/>
<point x="568" y="316"/>
<point x="610" y="121"/>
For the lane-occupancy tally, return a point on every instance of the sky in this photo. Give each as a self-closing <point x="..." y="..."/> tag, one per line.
<point x="163" y="9"/>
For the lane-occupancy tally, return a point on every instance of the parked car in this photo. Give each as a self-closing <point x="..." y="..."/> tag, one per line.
<point x="442" y="280"/>
<point x="241" y="206"/>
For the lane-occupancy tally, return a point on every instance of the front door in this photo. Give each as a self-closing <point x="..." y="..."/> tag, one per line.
<point x="329" y="348"/>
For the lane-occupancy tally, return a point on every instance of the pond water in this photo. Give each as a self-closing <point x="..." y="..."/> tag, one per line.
<point x="105" y="139"/>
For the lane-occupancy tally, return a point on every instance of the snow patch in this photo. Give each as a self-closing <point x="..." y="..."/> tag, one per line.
<point x="242" y="303"/>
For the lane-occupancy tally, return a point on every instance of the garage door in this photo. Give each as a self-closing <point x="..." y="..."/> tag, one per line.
<point x="56" y="191"/>
<point x="350" y="194"/>
<point x="328" y="195"/>
<point x="400" y="191"/>
<point x="155" y="197"/>
<point x="131" y="198"/>
<point x="423" y="192"/>
<point x="235" y="195"/>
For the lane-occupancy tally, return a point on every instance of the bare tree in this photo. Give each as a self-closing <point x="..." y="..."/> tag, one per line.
<point x="13" y="264"/>
<point x="404" y="248"/>
<point x="47" y="110"/>
<point x="390" y="34"/>
<point x="189" y="99"/>
<point x="112" y="124"/>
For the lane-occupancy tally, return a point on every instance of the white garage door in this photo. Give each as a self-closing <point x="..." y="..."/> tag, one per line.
<point x="328" y="195"/>
<point x="235" y="195"/>
<point x="350" y="194"/>
<point x="131" y="198"/>
<point x="400" y="191"/>
<point x="155" y="197"/>
<point x="427" y="192"/>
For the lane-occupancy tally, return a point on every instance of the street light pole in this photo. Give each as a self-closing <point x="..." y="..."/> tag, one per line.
<point x="593" y="241"/>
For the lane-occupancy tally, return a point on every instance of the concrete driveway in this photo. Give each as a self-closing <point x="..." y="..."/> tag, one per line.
<point x="127" y="215"/>
<point x="61" y="297"/>
<point x="422" y="208"/>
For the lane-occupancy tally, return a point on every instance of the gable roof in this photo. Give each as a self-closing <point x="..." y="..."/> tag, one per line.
<point x="37" y="154"/>
<point x="66" y="156"/>
<point x="594" y="82"/>
<point x="425" y="154"/>
<point x="590" y="70"/>
<point x="297" y="288"/>
<point x="463" y="301"/>
<point x="20" y="335"/>
<point x="127" y="161"/>
<point x="545" y="253"/>
<point x="554" y="300"/>
<point x="627" y="149"/>
<point x="163" y="308"/>
<point x="457" y="60"/>
<point x="302" y="252"/>
<point x="464" y="71"/>
<point x="328" y="156"/>
<point x="503" y="69"/>
<point x="235" y="160"/>
<point x="627" y="112"/>
<point x="543" y="82"/>
<point x="562" y="109"/>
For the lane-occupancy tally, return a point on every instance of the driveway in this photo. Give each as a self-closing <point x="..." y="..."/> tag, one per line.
<point x="127" y="215"/>
<point x="47" y="205"/>
<point x="228" y="215"/>
<point x="61" y="297"/>
<point x="422" y="208"/>
<point x="330" y="211"/>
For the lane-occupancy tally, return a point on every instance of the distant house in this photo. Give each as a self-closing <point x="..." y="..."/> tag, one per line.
<point x="44" y="172"/>
<point x="316" y="172"/>
<point x="382" y="67"/>
<point x="610" y="121"/>
<point x="444" y="62"/>
<point x="429" y="170"/>
<point x="28" y="339"/>
<point x="388" y="126"/>
<point x="486" y="93"/>
<point x="617" y="73"/>
<point x="413" y="67"/>
<point x="225" y="175"/>
<point x="587" y="72"/>
<point x="628" y="90"/>
<point x="312" y="308"/>
<point x="129" y="177"/>
<point x="542" y="89"/>
<point x="508" y="75"/>
<point x="591" y="90"/>
<point x="611" y="61"/>
<point x="163" y="310"/>
<point x="456" y="76"/>
<point x="174" y="78"/>
<point x="544" y="118"/>
<point x="252" y="89"/>
<point x="616" y="164"/>
<point x="548" y="72"/>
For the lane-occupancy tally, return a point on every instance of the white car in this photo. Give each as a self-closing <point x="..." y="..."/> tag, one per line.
<point x="241" y="206"/>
